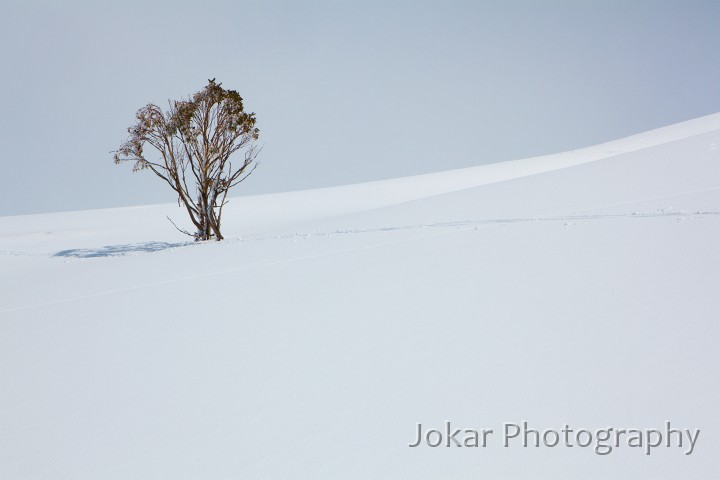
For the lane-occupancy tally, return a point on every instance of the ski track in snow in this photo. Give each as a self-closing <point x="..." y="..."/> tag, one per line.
<point x="478" y="222"/>
<point x="456" y="226"/>
<point x="215" y="273"/>
<point x="151" y="247"/>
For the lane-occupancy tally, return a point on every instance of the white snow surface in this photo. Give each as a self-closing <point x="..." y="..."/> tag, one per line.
<point x="577" y="288"/>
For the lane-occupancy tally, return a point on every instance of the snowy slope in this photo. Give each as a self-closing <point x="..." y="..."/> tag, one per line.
<point x="575" y="288"/>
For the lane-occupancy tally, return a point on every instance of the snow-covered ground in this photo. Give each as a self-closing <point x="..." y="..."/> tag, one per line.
<point x="578" y="288"/>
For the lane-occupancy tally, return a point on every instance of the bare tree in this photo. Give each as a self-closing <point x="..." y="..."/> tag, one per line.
<point x="192" y="145"/>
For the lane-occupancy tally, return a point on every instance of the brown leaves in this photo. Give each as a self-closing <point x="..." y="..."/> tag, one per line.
<point x="194" y="141"/>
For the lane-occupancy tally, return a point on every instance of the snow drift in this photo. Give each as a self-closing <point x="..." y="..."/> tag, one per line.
<point x="577" y="288"/>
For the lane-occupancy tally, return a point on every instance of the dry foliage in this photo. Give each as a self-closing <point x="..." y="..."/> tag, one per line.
<point x="192" y="145"/>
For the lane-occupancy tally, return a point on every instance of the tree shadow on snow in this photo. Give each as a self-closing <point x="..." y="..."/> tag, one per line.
<point x="119" y="250"/>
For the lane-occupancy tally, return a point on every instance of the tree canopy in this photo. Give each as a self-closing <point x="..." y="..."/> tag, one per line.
<point x="192" y="149"/>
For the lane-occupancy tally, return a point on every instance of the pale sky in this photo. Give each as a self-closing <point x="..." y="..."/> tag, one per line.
<point x="344" y="92"/>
